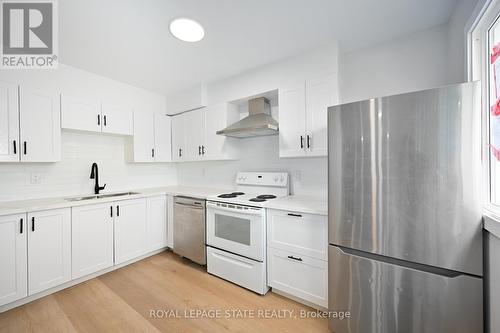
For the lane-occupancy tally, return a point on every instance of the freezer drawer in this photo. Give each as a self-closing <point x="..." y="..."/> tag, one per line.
<point x="383" y="297"/>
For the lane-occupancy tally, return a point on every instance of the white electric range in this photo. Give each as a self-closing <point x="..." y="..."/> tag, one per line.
<point x="236" y="228"/>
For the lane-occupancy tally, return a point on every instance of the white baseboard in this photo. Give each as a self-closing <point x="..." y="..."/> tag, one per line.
<point x="298" y="299"/>
<point x="71" y="283"/>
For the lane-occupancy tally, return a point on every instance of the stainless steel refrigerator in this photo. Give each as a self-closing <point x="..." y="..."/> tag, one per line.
<point x="405" y="225"/>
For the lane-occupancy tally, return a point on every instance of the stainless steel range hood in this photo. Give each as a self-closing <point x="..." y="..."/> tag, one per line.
<point x="258" y="123"/>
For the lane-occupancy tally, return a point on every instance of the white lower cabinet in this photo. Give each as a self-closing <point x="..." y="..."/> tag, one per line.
<point x="298" y="275"/>
<point x="131" y="236"/>
<point x="157" y="222"/>
<point x="92" y="239"/>
<point x="49" y="249"/>
<point x="13" y="258"/>
<point x="297" y="255"/>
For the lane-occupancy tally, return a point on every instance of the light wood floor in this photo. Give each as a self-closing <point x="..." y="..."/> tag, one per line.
<point x="121" y="301"/>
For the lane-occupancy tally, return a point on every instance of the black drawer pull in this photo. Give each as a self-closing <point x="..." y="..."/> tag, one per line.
<point x="15" y="148"/>
<point x="98" y="120"/>
<point x="294" y="258"/>
<point x="105" y="121"/>
<point x="118" y="210"/>
<point x="21" y="226"/>
<point x="24" y="143"/>
<point x="153" y="152"/>
<point x="301" y="142"/>
<point x="308" y="141"/>
<point x="111" y="210"/>
<point x="294" y="215"/>
<point x="33" y="224"/>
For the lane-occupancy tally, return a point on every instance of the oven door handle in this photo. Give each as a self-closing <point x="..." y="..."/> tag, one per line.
<point x="250" y="210"/>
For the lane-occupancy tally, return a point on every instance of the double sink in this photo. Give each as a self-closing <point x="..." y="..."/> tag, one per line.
<point x="100" y="196"/>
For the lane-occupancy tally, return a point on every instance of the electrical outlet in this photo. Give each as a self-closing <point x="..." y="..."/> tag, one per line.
<point x="36" y="178"/>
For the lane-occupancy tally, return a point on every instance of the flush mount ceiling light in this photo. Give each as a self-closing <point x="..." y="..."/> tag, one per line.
<point x="187" y="30"/>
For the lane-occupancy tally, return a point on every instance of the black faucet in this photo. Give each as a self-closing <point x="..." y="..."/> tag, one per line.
<point x="94" y="174"/>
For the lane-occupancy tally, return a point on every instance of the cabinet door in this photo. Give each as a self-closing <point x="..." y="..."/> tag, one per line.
<point x="91" y="239"/>
<point x="298" y="275"/>
<point x="195" y="129"/>
<point x="13" y="258"/>
<point x="49" y="249"/>
<point x="217" y="117"/>
<point x="162" y="138"/>
<point x="144" y="141"/>
<point x="157" y="222"/>
<point x="117" y="119"/>
<point x="320" y="94"/>
<point x="179" y="137"/>
<point x="292" y="121"/>
<point x="80" y="113"/>
<point x="9" y="122"/>
<point x="40" y="124"/>
<point x="131" y="236"/>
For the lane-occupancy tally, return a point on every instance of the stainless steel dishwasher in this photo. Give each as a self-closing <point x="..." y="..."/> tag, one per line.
<point x="189" y="229"/>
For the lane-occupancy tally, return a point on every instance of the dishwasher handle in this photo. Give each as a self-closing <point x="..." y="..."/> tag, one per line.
<point x="188" y="205"/>
<point x="189" y="202"/>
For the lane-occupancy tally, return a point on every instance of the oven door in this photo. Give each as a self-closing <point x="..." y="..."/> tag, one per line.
<point x="237" y="229"/>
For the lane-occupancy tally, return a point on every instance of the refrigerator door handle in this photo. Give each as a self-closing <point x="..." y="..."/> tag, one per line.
<point x="403" y="263"/>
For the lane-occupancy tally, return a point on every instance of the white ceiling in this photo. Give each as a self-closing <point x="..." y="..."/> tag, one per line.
<point x="128" y="40"/>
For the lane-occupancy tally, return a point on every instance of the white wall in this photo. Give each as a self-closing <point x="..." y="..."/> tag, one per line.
<point x="414" y="62"/>
<point x="309" y="176"/>
<point x="79" y="150"/>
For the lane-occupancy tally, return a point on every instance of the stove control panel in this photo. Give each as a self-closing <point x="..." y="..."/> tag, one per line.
<point x="279" y="179"/>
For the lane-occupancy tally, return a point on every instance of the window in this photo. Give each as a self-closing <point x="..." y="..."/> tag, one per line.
<point x="485" y="66"/>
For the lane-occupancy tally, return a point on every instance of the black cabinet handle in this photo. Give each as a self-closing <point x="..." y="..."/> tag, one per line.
<point x="21" y="226"/>
<point x="99" y="120"/>
<point x="118" y="210"/>
<point x="153" y="152"/>
<point x="33" y="223"/>
<point x="294" y="258"/>
<point x="180" y="152"/>
<point x="15" y="147"/>
<point x="308" y="141"/>
<point x="24" y="146"/>
<point x="301" y="142"/>
<point x="294" y="215"/>
<point x="199" y="150"/>
<point x="105" y="120"/>
<point x="111" y="211"/>
<point x="203" y="150"/>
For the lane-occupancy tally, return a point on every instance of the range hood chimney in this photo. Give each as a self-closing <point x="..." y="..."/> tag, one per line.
<point x="258" y="123"/>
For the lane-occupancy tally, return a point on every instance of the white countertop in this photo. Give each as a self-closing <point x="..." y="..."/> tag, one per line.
<point x="300" y="203"/>
<point x="32" y="205"/>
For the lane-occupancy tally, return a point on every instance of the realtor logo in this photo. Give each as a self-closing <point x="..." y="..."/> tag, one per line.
<point x="29" y="34"/>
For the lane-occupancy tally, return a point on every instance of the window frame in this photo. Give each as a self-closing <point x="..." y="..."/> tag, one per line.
<point x="478" y="50"/>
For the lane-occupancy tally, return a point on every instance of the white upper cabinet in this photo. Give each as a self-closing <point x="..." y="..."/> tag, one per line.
<point x="195" y="125"/>
<point x="40" y="125"/>
<point x="179" y="125"/>
<point x="194" y="135"/>
<point x="80" y="113"/>
<point x="152" y="137"/>
<point x="13" y="258"/>
<point x="49" y="249"/>
<point x="320" y="94"/>
<point x="117" y="119"/>
<point x="191" y="98"/>
<point x="292" y="127"/>
<point x="144" y="139"/>
<point x="303" y="116"/>
<point x="91" y="239"/>
<point x="9" y="123"/>
<point x="162" y="138"/>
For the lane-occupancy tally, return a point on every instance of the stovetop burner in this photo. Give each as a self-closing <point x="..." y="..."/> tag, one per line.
<point x="266" y="196"/>
<point x="230" y="195"/>
<point x="257" y="199"/>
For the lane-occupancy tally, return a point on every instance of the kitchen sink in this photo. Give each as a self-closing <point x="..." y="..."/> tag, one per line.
<point x="100" y="196"/>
